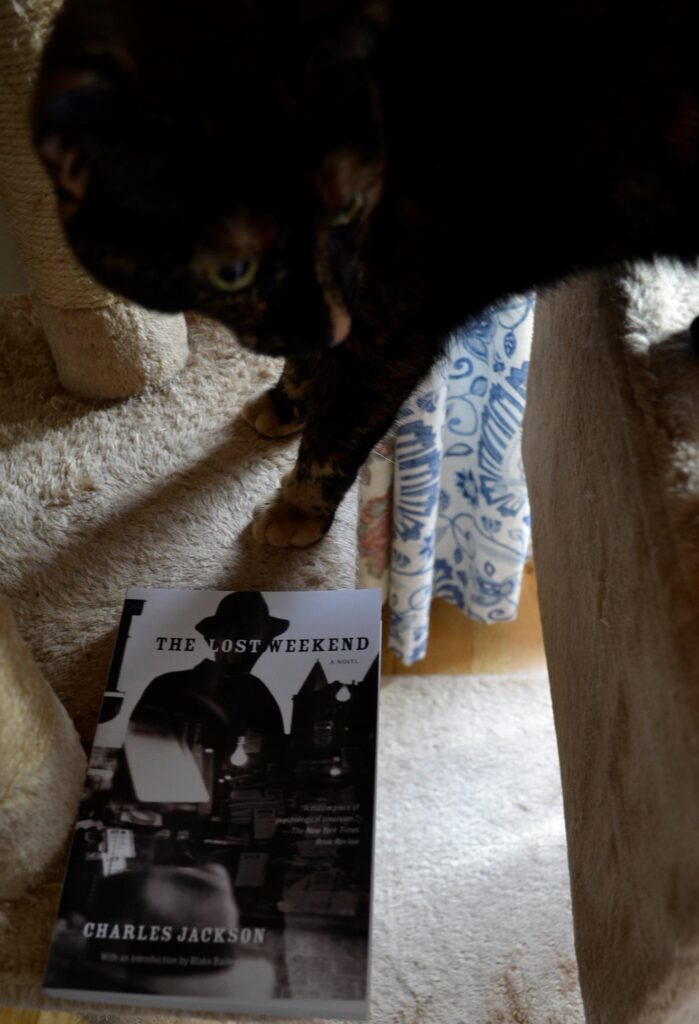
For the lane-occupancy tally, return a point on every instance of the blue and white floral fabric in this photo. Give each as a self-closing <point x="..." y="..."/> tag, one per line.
<point x="459" y="510"/>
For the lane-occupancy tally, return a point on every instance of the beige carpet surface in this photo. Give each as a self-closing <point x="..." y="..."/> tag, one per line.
<point x="472" y="915"/>
<point x="153" y="491"/>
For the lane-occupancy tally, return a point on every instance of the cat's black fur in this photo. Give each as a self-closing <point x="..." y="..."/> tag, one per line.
<point x="383" y="169"/>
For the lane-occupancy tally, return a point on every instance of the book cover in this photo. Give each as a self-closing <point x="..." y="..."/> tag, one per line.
<point x="222" y="856"/>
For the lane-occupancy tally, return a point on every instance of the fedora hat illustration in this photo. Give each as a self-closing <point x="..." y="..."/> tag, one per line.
<point x="194" y="900"/>
<point x="239" y="614"/>
<point x="179" y="898"/>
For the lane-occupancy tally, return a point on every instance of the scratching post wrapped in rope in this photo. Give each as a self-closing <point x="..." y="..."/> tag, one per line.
<point x="42" y="766"/>
<point x="103" y="347"/>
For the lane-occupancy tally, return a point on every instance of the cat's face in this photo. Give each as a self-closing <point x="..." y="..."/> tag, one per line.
<point x="201" y="164"/>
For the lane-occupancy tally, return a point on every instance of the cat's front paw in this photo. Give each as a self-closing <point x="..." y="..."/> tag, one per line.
<point x="284" y="525"/>
<point x="297" y="516"/>
<point x="264" y="412"/>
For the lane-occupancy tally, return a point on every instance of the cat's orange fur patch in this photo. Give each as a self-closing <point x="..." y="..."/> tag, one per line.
<point x="285" y="525"/>
<point x="260" y="413"/>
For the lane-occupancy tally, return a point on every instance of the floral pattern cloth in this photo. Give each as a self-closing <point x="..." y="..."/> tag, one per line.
<point x="443" y="501"/>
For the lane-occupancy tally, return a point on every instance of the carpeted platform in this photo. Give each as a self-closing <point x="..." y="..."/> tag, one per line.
<point x="152" y="491"/>
<point x="472" y="917"/>
<point x="472" y="920"/>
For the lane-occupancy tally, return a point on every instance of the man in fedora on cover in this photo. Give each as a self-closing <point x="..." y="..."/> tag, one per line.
<point x="219" y="703"/>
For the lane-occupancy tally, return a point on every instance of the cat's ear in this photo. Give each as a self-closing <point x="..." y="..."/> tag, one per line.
<point x="344" y="130"/>
<point x="349" y="180"/>
<point x="345" y="29"/>
<point x="69" y="172"/>
<point x="346" y="147"/>
<point x="69" y="108"/>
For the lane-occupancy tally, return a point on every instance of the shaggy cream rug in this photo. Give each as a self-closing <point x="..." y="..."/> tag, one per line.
<point x="472" y="915"/>
<point x="153" y="491"/>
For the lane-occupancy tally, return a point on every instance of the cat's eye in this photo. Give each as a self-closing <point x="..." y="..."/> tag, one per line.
<point x="234" y="277"/>
<point x="349" y="212"/>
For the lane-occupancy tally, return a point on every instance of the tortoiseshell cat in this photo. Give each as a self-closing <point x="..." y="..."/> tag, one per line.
<point x="337" y="180"/>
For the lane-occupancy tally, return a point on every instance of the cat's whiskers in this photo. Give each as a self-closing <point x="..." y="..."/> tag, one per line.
<point x="380" y="455"/>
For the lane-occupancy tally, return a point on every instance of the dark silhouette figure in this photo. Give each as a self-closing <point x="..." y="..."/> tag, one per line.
<point x="219" y="703"/>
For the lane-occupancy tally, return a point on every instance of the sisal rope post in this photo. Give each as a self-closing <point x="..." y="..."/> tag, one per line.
<point x="103" y="347"/>
<point x="42" y="766"/>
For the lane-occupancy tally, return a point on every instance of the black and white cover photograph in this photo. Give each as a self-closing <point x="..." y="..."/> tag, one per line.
<point x="222" y="854"/>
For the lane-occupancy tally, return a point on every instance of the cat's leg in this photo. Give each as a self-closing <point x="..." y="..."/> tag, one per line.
<point x="355" y="397"/>
<point x="281" y="410"/>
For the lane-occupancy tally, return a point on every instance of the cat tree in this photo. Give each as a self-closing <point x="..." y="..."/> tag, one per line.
<point x="103" y="349"/>
<point x="611" y="447"/>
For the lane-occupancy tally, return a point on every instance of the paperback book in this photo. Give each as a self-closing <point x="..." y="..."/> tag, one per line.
<point x="222" y="857"/>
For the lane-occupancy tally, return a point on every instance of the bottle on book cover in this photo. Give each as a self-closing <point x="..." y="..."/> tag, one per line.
<point x="222" y="857"/>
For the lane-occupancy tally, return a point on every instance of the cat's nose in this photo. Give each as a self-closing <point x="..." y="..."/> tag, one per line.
<point x="340" y="320"/>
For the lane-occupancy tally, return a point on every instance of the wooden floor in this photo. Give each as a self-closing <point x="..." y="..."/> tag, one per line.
<point x="457" y="646"/>
<point x="36" y="1017"/>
